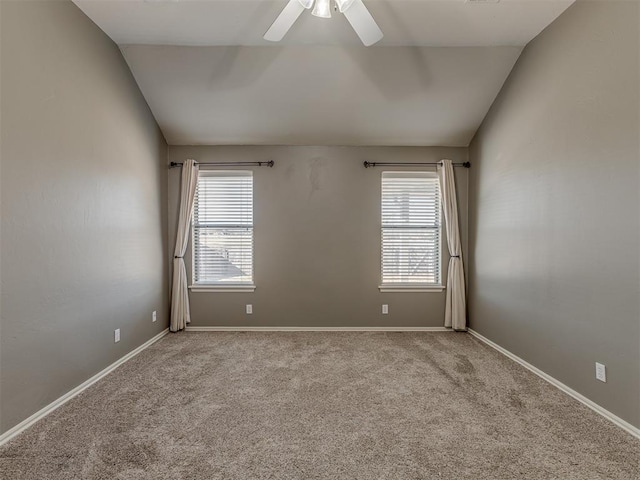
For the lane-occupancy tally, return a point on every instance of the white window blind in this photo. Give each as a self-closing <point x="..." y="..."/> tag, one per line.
<point x="410" y="228"/>
<point x="223" y="228"/>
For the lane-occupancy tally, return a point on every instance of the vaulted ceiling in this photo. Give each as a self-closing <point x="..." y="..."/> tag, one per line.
<point x="210" y="78"/>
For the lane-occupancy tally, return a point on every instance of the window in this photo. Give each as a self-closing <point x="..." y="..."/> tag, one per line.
<point x="410" y="229"/>
<point x="223" y="228"/>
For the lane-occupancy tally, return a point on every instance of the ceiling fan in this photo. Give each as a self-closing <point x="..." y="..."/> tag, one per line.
<point x="357" y="14"/>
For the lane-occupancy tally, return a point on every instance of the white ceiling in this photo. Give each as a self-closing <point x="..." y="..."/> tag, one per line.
<point x="437" y="23"/>
<point x="320" y="95"/>
<point x="210" y="78"/>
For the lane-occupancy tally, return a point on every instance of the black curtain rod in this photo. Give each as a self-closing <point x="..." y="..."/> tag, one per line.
<point x="401" y="164"/>
<point x="269" y="164"/>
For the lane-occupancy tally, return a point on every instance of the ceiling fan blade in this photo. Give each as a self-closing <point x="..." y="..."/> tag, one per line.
<point x="363" y="23"/>
<point x="285" y="21"/>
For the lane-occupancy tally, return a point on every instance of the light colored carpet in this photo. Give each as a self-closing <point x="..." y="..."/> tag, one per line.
<point x="321" y="406"/>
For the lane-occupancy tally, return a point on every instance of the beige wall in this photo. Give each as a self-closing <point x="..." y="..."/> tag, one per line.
<point x="554" y="274"/>
<point x="317" y="239"/>
<point x="83" y="207"/>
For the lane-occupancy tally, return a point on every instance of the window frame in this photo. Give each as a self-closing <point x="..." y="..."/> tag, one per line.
<point x="412" y="286"/>
<point x="227" y="287"/>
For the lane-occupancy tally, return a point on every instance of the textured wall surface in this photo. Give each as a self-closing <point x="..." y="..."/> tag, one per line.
<point x="317" y="238"/>
<point x="83" y="207"/>
<point x="555" y="210"/>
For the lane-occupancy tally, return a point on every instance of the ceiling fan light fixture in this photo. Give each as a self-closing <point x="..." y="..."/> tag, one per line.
<point x="322" y="9"/>
<point x="354" y="11"/>
<point x="306" y="3"/>
<point x="343" y="5"/>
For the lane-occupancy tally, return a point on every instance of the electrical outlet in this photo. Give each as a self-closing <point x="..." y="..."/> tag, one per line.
<point x="154" y="316"/>
<point x="116" y="335"/>
<point x="249" y="309"/>
<point x="601" y="372"/>
<point x="385" y="309"/>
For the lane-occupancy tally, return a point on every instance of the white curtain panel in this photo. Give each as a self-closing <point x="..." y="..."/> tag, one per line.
<point x="180" y="315"/>
<point x="455" y="314"/>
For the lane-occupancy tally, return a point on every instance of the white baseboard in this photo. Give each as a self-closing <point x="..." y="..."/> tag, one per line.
<point x="558" y="384"/>
<point x="318" y="329"/>
<point x="22" y="426"/>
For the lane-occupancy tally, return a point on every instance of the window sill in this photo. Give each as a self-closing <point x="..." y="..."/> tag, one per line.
<point x="210" y="288"/>
<point x="411" y="288"/>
